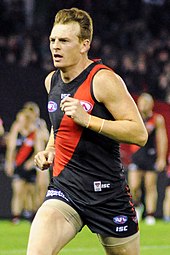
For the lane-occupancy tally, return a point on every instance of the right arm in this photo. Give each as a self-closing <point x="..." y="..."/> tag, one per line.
<point x="1" y="128"/>
<point x="45" y="158"/>
<point x="11" y="149"/>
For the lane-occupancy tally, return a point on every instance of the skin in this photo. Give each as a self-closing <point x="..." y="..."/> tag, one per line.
<point x="1" y="128"/>
<point x="24" y="126"/>
<point x="70" y="56"/>
<point x="146" y="104"/>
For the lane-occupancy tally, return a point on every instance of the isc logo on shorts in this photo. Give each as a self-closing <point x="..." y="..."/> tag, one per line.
<point x="98" y="186"/>
<point x="122" y="229"/>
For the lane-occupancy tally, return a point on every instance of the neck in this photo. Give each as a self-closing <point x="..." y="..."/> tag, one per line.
<point x="146" y="115"/>
<point x="70" y="73"/>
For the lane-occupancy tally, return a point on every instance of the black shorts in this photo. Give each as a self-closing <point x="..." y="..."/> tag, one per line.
<point x="143" y="161"/>
<point x="100" y="219"/>
<point x="168" y="179"/>
<point x="27" y="175"/>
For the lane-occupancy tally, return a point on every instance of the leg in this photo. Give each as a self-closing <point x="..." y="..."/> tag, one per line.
<point x="134" y="180"/>
<point x="121" y="246"/>
<point x="17" y="203"/>
<point x="30" y="201"/>
<point x="166" y="204"/>
<point x="42" y="182"/>
<point x="54" y="225"/>
<point x="150" y="183"/>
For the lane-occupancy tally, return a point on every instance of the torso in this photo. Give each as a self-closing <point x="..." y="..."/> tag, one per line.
<point x="145" y="157"/>
<point x="24" y="147"/>
<point x="85" y="160"/>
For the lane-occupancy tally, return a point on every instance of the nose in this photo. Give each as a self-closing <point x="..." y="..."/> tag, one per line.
<point x="56" y="44"/>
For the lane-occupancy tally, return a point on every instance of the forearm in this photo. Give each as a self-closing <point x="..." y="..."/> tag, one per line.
<point x="50" y="145"/>
<point x="125" y="131"/>
<point x="10" y="156"/>
<point x="162" y="148"/>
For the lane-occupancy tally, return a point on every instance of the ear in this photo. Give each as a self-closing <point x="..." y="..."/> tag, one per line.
<point x="85" y="46"/>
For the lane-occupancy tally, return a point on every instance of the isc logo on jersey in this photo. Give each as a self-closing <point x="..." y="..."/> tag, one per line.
<point x="98" y="186"/>
<point x="52" y="106"/>
<point x="86" y="105"/>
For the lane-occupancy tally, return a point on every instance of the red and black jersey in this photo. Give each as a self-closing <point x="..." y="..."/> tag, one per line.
<point x="145" y="157"/>
<point x="86" y="163"/>
<point x="24" y="148"/>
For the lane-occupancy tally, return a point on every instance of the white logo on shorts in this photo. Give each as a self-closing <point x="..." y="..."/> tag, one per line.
<point x="58" y="193"/>
<point x="122" y="229"/>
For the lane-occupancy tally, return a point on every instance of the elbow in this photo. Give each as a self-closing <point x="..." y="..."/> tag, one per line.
<point x="143" y="138"/>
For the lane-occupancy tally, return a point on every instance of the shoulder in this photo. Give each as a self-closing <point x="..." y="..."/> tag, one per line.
<point x="108" y="80"/>
<point x="159" y="119"/>
<point x="13" y="132"/>
<point x="48" y="81"/>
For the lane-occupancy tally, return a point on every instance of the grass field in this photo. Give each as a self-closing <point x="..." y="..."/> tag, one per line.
<point x="155" y="240"/>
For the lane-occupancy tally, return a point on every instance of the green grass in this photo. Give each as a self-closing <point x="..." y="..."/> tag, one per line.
<point x="155" y="240"/>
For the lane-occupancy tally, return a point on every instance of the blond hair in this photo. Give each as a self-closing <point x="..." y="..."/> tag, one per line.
<point x="66" y="16"/>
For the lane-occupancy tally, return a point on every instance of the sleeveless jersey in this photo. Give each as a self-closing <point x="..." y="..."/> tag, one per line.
<point x="87" y="165"/>
<point x="145" y="157"/>
<point x="24" y="148"/>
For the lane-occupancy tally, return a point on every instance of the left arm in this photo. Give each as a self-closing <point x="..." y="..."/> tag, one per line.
<point x="38" y="146"/>
<point x="109" y="89"/>
<point x="161" y="143"/>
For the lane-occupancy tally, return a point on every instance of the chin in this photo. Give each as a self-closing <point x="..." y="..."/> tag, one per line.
<point x="58" y="65"/>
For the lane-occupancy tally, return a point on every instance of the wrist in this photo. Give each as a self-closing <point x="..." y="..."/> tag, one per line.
<point x="96" y="124"/>
<point x="50" y="149"/>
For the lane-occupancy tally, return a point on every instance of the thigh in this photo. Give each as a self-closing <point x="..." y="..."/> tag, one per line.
<point x="150" y="180"/>
<point x="18" y="186"/>
<point x="52" y="229"/>
<point x="121" y="246"/>
<point x="43" y="178"/>
<point x="135" y="178"/>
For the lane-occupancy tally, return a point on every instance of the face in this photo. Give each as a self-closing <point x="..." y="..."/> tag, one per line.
<point x="145" y="104"/>
<point x="65" y="46"/>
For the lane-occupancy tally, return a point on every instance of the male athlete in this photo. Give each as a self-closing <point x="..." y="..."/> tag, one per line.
<point x="91" y="112"/>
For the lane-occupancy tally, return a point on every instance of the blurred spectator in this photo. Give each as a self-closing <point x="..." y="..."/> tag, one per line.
<point x="127" y="71"/>
<point x="135" y="43"/>
<point x="1" y="128"/>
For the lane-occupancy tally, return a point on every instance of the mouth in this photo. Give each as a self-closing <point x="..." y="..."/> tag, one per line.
<point x="57" y="57"/>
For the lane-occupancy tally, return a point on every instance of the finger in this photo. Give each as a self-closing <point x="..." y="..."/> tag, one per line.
<point x="40" y="160"/>
<point x="67" y="99"/>
<point x="51" y="157"/>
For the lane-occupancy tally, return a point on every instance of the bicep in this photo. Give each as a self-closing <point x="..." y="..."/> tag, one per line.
<point x="48" y="81"/>
<point x="161" y="131"/>
<point x="12" y="137"/>
<point x="116" y="97"/>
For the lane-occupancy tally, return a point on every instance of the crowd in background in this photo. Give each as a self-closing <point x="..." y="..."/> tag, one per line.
<point x="132" y="38"/>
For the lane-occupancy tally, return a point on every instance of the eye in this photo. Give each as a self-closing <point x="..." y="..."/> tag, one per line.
<point x="52" y="40"/>
<point x="63" y="40"/>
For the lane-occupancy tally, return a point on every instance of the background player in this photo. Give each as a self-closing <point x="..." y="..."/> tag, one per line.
<point x="23" y="143"/>
<point x="148" y="160"/>
<point x="43" y="177"/>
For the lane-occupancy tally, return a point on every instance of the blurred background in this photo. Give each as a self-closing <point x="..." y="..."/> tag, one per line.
<point x="132" y="37"/>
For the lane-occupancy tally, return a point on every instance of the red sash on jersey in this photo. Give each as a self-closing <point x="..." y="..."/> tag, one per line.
<point x="25" y="150"/>
<point x="63" y="156"/>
